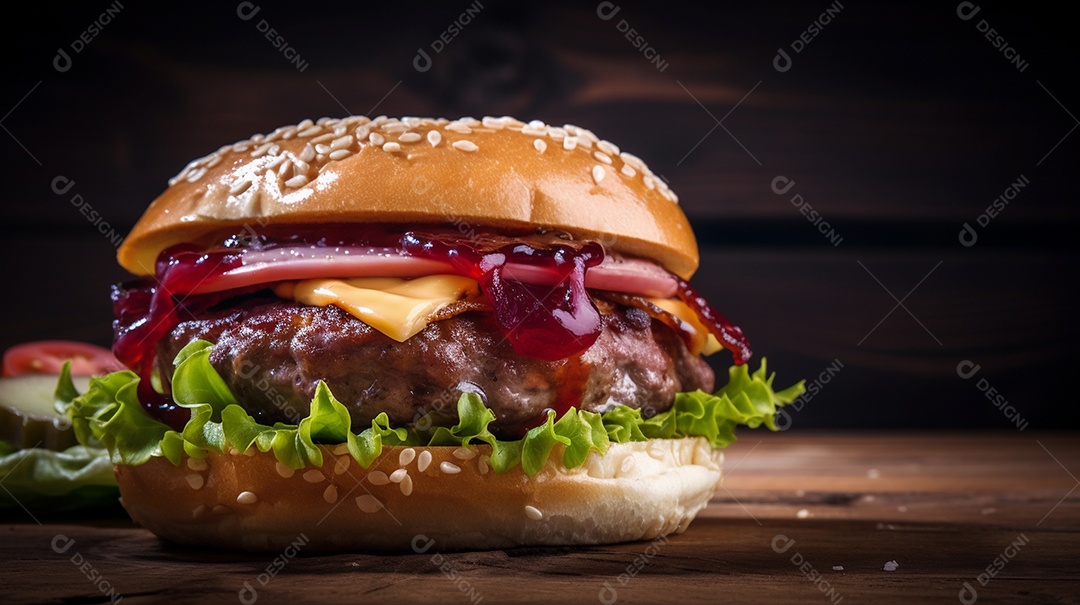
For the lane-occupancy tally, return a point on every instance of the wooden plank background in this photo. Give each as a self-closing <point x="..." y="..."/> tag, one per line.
<point x="898" y="124"/>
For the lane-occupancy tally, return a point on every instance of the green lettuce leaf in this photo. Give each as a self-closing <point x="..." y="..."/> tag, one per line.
<point x="43" y="481"/>
<point x="109" y="413"/>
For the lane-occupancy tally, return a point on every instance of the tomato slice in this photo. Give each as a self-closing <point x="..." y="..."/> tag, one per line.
<point x="48" y="357"/>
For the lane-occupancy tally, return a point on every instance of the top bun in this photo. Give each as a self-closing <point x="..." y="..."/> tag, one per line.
<point x="472" y="174"/>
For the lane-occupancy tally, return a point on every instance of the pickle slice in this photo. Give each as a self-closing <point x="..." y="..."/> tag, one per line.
<point x="27" y="416"/>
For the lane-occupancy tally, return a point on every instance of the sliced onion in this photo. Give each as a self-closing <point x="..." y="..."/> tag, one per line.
<point x="632" y="276"/>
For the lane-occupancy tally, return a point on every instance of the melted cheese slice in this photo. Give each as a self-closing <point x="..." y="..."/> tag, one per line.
<point x="702" y="342"/>
<point x="400" y="307"/>
<point x="394" y="306"/>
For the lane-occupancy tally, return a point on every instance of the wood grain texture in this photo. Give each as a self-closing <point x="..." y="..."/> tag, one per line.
<point x="943" y="506"/>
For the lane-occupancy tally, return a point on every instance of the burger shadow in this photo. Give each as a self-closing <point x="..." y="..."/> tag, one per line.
<point x="710" y="545"/>
<point x="720" y="546"/>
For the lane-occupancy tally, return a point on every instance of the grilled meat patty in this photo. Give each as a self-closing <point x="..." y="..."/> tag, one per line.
<point x="272" y="354"/>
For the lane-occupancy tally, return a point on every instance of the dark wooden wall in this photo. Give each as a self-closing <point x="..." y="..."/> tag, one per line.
<point x="896" y="124"/>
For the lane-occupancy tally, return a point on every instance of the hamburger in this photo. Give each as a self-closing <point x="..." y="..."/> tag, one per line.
<point x="377" y="332"/>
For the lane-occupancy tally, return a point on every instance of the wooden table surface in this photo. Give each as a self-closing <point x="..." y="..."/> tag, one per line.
<point x="794" y="509"/>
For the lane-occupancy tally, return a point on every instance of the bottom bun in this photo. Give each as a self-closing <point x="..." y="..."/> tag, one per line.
<point x="422" y="498"/>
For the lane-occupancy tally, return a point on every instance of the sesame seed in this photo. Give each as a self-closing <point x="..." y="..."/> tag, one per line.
<point x="540" y="145"/>
<point x="341" y="128"/>
<point x="297" y="182"/>
<point x="240" y="147"/>
<point x="569" y="143"/>
<point x="330" y="494"/>
<point x="409" y="137"/>
<point x="449" y="468"/>
<point x="323" y="149"/>
<point x="198" y="511"/>
<point x="285" y="167"/>
<point x="284" y="471"/>
<point x="603" y="157"/>
<point x="483" y="464"/>
<point x="608" y="147"/>
<point x="398" y="475"/>
<point x="341" y="143"/>
<point x="368" y="503"/>
<point x="314" y="476"/>
<point x="459" y="128"/>
<point x="433" y="137"/>
<point x="464" y="453"/>
<point x="305" y="124"/>
<point x="496" y="123"/>
<point x="627" y="464"/>
<point x="196" y="175"/>
<point x="534" y="132"/>
<point x="308" y="153"/>
<point x="300" y="167"/>
<point x="377" y="139"/>
<point x="342" y="465"/>
<point x="649" y="183"/>
<point x="533" y="513"/>
<point x="536" y="124"/>
<point x="424" y="461"/>
<point x="803" y="513"/>
<point x="464" y="145"/>
<point x="325" y="121"/>
<point x="195" y="481"/>
<point x="214" y="161"/>
<point x="341" y="449"/>
<point x="598" y="173"/>
<point x="246" y="498"/>
<point x="196" y="464"/>
<point x="633" y="160"/>
<point x="378" y="478"/>
<point x="627" y="170"/>
<point x="390" y="147"/>
<point x="239" y="187"/>
<point x="406" y="456"/>
<point x="220" y="509"/>
<point x="406" y="486"/>
<point x="341" y="154"/>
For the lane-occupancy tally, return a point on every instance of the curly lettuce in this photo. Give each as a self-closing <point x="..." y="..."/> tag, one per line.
<point x="110" y="413"/>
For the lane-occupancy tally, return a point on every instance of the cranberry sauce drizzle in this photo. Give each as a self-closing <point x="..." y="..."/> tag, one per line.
<point x="146" y="311"/>
<point x="729" y="335"/>
<point x="544" y="322"/>
<point x="548" y="323"/>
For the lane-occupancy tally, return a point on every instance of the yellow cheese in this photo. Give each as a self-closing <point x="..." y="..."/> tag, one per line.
<point x="702" y="342"/>
<point x="394" y="306"/>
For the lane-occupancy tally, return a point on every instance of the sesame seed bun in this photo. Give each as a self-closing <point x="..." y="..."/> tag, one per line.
<point x="473" y="174"/>
<point x="422" y="498"/>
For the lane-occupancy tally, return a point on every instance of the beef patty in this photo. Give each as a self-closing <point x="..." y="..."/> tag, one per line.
<point x="272" y="353"/>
